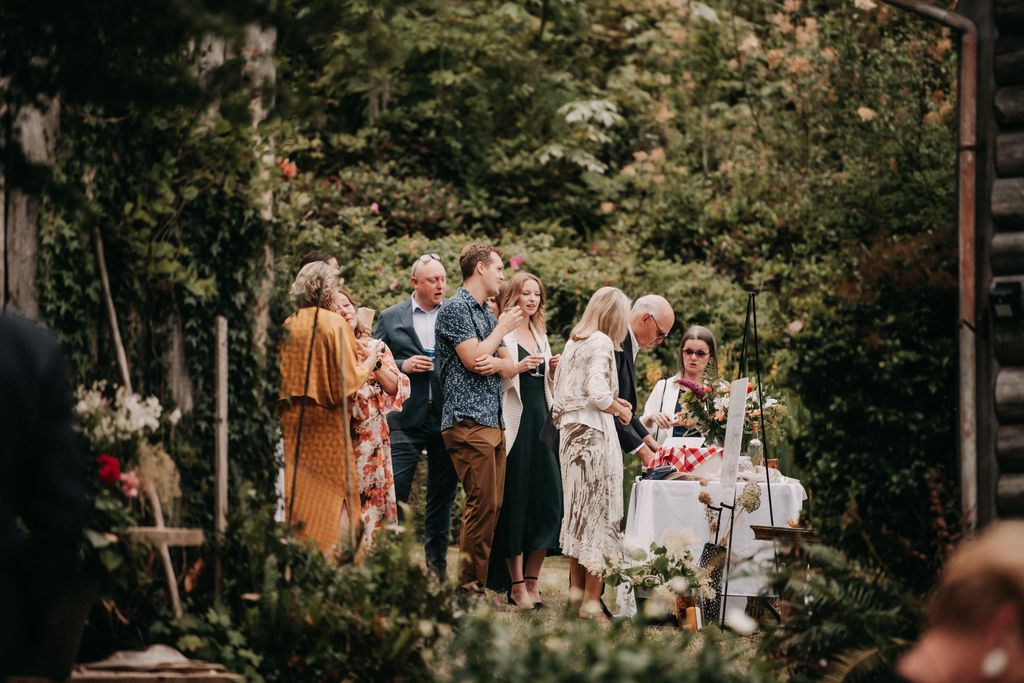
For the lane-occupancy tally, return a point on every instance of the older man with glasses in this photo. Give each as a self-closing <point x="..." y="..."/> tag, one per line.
<point x="408" y="329"/>
<point x="650" y="321"/>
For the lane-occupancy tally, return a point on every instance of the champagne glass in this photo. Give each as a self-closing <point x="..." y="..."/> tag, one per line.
<point x="537" y="372"/>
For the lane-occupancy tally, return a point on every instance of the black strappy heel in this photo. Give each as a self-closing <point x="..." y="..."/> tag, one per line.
<point x="538" y="604"/>
<point x="509" y="595"/>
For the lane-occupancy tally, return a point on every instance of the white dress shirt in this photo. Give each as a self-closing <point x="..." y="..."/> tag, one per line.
<point x="423" y="322"/>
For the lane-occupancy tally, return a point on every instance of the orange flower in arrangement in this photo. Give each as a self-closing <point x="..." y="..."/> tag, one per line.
<point x="288" y="168"/>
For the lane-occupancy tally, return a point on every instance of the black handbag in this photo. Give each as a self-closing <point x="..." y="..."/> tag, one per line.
<point x="549" y="435"/>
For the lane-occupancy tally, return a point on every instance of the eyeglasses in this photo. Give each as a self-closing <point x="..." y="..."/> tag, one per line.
<point x="426" y="258"/>
<point x="661" y="335"/>
<point x="698" y="354"/>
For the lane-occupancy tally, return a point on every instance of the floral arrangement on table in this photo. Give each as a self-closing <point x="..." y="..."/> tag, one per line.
<point x="705" y="407"/>
<point x="661" y="572"/>
<point x="126" y="459"/>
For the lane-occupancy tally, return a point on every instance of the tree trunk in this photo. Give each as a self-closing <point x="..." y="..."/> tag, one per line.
<point x="35" y="133"/>
<point x="262" y="72"/>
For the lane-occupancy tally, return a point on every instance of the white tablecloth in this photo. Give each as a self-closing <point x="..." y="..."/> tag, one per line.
<point x="655" y="506"/>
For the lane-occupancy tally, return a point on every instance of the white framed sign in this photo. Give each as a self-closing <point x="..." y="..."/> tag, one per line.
<point x="733" y="439"/>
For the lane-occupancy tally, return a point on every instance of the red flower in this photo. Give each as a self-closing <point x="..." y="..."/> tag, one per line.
<point x="750" y="388"/>
<point x="110" y="469"/>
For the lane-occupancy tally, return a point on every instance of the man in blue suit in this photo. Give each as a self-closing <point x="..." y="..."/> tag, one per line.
<point x="408" y="329"/>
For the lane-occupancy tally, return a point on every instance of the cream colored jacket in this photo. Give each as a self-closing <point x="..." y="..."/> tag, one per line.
<point x="512" y="401"/>
<point x="662" y="400"/>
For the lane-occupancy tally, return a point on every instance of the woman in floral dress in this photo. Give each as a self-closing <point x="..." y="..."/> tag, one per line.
<point x="385" y="390"/>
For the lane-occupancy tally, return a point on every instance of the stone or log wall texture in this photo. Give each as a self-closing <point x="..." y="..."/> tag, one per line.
<point x="1007" y="251"/>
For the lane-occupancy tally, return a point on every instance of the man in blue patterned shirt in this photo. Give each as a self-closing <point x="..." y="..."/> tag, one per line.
<point x="472" y="359"/>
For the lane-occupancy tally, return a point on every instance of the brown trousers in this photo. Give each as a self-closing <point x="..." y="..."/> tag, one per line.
<point x="478" y="454"/>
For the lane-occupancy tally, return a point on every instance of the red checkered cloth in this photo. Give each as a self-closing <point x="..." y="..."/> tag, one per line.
<point x="685" y="459"/>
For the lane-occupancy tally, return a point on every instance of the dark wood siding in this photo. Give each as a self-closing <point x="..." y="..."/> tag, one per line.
<point x="1007" y="250"/>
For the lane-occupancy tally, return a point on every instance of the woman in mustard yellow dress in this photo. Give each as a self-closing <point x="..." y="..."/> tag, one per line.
<point x="321" y="371"/>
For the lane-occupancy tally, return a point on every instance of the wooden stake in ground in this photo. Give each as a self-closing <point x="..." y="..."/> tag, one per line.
<point x="221" y="505"/>
<point x="115" y="331"/>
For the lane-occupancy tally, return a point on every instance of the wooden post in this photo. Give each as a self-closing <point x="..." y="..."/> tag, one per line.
<point x="108" y="299"/>
<point x="165" y="553"/>
<point x="221" y="506"/>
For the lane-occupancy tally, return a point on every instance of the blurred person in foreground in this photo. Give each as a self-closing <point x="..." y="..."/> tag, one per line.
<point x="43" y="504"/>
<point x="384" y="392"/>
<point x="976" y="614"/>
<point x="321" y="372"/>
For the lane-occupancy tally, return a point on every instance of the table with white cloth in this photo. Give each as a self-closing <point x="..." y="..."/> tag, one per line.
<point x="655" y="506"/>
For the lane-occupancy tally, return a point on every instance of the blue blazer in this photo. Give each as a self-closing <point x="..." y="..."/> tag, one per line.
<point x="396" y="330"/>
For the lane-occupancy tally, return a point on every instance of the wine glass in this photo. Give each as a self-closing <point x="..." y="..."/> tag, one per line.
<point x="537" y="372"/>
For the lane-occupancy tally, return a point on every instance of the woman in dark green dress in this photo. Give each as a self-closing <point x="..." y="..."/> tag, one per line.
<point x="531" y="510"/>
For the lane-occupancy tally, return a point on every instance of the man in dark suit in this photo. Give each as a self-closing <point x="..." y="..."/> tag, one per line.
<point x="650" y="321"/>
<point x="42" y="491"/>
<point x="408" y="329"/>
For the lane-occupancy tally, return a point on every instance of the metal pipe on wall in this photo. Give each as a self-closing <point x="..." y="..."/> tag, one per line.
<point x="967" y="143"/>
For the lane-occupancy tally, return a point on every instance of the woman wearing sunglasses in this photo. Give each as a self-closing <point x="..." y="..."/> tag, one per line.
<point x="696" y="351"/>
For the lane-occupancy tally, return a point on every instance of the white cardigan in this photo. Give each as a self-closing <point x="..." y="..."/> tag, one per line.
<point x="662" y="400"/>
<point x="511" y="399"/>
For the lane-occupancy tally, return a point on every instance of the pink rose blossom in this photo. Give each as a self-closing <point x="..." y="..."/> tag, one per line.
<point x="375" y="208"/>
<point x="130" y="484"/>
<point x="393" y="286"/>
<point x="515" y="262"/>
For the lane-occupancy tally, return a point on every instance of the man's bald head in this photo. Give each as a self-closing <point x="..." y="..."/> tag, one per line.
<point x="651" y="320"/>
<point x="429" y="282"/>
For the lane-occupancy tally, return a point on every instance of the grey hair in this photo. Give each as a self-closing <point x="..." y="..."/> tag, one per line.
<point x="646" y="304"/>
<point x="315" y="286"/>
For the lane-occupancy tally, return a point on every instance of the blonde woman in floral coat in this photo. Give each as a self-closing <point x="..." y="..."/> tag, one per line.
<point x="584" y="408"/>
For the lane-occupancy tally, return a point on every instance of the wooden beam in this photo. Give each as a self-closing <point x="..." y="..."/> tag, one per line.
<point x="221" y="505"/>
<point x="1010" y="448"/>
<point x="1009" y="60"/>
<point x="1010" y="153"/>
<point x="165" y="553"/>
<point x="1007" y="253"/>
<point x="1009" y="104"/>
<point x="1009" y="15"/>
<point x="1010" y="495"/>
<point x="1008" y="203"/>
<point x="168" y="535"/>
<point x="85" y="675"/>
<point x="1010" y="394"/>
<point x="1008" y="343"/>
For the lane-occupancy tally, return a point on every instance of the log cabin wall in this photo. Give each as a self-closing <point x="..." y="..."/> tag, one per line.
<point x="1001" y="478"/>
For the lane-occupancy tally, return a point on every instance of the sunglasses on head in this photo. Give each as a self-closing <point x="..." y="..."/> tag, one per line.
<point x="426" y="258"/>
